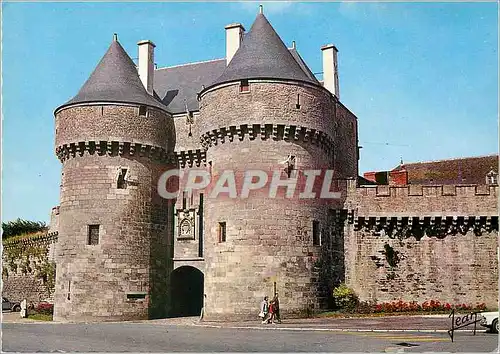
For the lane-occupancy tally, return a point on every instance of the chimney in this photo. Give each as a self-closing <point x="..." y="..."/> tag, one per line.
<point x="330" y="69"/>
<point x="146" y="64"/>
<point x="234" y="36"/>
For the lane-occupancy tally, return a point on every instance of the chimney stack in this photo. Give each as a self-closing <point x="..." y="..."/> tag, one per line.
<point x="234" y="36"/>
<point x="330" y="69"/>
<point x="146" y="64"/>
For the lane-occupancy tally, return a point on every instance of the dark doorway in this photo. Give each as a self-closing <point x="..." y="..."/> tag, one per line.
<point x="187" y="291"/>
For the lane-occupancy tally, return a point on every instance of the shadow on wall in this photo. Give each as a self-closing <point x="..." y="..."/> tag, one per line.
<point x="160" y="264"/>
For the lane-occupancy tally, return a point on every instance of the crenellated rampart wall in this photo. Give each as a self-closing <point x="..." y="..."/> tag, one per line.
<point x="28" y="268"/>
<point x="423" y="242"/>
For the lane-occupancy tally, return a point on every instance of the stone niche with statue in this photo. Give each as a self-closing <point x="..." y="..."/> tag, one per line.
<point x="186" y="224"/>
<point x="187" y="230"/>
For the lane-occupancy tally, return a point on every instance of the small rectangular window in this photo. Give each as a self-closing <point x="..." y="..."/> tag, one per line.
<point x="244" y="86"/>
<point x="222" y="231"/>
<point x="93" y="235"/>
<point x="121" y="183"/>
<point x="316" y="238"/>
<point x="143" y="110"/>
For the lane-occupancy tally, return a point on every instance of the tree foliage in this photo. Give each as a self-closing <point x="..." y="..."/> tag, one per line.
<point x="20" y="226"/>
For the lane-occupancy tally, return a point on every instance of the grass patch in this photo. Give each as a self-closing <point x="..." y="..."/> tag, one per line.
<point x="40" y="317"/>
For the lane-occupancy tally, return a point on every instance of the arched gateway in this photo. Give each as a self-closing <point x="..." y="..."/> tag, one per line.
<point x="187" y="291"/>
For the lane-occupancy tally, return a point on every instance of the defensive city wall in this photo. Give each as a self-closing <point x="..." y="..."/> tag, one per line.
<point x="414" y="243"/>
<point x="28" y="268"/>
<point x="124" y="252"/>
<point x="423" y="242"/>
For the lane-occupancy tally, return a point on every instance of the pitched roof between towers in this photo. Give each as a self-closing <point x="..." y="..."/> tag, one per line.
<point x="262" y="54"/>
<point x="115" y="80"/>
<point x="179" y="85"/>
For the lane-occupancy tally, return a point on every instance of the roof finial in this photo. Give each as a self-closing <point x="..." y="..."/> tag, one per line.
<point x="115" y="37"/>
<point x="293" y="45"/>
<point x="261" y="9"/>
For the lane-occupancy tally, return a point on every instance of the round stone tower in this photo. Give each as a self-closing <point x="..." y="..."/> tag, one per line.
<point x="113" y="252"/>
<point x="266" y="112"/>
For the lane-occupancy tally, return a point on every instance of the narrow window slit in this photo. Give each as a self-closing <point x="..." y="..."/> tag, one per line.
<point x="316" y="237"/>
<point x="184" y="200"/>
<point x="222" y="231"/>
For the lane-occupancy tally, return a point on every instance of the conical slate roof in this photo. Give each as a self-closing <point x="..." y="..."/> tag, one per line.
<point x="262" y="54"/>
<point x="115" y="79"/>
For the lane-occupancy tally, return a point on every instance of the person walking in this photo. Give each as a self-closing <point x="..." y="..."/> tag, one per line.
<point x="264" y="309"/>
<point x="276" y="308"/>
<point x="271" y="312"/>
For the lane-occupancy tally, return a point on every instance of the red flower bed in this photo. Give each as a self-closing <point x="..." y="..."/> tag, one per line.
<point x="427" y="306"/>
<point x="45" y="308"/>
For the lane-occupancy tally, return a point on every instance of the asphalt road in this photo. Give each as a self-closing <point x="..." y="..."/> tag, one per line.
<point x="147" y="337"/>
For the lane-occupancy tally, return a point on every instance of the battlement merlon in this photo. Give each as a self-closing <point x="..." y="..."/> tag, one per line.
<point x="470" y="199"/>
<point x="427" y="190"/>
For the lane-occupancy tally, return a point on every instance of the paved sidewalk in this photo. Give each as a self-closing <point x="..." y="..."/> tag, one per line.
<point x="15" y="317"/>
<point x="424" y="323"/>
<point x="409" y="323"/>
<point x="420" y="323"/>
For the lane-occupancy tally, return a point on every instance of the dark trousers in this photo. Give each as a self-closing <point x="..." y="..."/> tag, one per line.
<point x="277" y="315"/>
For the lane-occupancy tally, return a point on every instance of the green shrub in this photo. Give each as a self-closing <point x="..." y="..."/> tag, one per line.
<point x="345" y="298"/>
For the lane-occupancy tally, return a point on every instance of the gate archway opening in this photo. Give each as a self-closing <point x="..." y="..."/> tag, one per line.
<point x="187" y="291"/>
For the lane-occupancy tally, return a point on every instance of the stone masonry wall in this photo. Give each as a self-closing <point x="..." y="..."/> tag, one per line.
<point x="190" y="154"/>
<point x="114" y="123"/>
<point x="187" y="227"/>
<point x="125" y="276"/>
<point x="269" y="241"/>
<point x="21" y="283"/>
<point x="94" y="281"/>
<point x="183" y="140"/>
<point x="267" y="103"/>
<point x="346" y="143"/>
<point x="54" y="219"/>
<point x="454" y="267"/>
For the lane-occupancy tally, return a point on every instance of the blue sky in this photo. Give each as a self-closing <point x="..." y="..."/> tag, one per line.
<point x="422" y="78"/>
